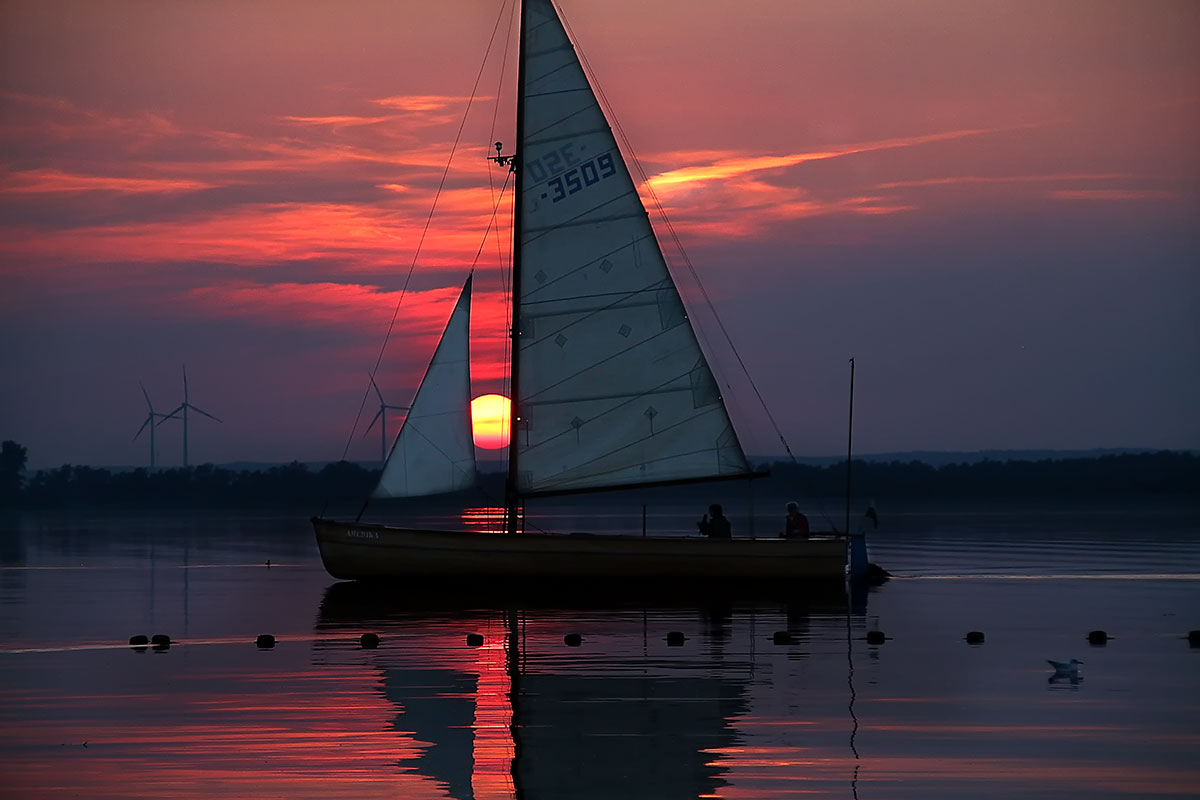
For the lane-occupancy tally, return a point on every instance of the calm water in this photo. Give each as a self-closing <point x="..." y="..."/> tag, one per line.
<point x="727" y="714"/>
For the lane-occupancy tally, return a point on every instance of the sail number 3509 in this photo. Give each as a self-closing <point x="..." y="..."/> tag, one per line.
<point x="578" y="177"/>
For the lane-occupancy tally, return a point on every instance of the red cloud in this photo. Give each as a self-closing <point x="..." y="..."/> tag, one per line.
<point x="956" y="180"/>
<point x="744" y="194"/>
<point x="425" y="102"/>
<point x="732" y="165"/>
<point x="358" y="236"/>
<point x="49" y="181"/>
<point x="1112" y="194"/>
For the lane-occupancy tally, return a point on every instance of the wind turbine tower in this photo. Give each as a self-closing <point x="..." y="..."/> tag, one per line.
<point x="183" y="409"/>
<point x="150" y="417"/>
<point x="381" y="418"/>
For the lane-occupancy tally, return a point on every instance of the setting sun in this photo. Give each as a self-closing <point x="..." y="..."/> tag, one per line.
<point x="489" y="420"/>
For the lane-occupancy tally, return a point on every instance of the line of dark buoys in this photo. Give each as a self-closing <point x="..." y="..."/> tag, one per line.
<point x="1097" y="637"/>
<point x="370" y="641"/>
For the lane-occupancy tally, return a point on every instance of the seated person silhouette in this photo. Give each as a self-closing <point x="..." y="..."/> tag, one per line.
<point x="714" y="524"/>
<point x="795" y="524"/>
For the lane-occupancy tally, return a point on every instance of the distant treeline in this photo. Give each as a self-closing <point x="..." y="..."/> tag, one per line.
<point x="296" y="485"/>
<point x="293" y="485"/>
<point x="1163" y="473"/>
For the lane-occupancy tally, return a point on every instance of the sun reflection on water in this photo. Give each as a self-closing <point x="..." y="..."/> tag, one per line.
<point x="484" y="519"/>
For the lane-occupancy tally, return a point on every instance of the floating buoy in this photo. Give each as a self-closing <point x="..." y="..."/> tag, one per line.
<point x="1194" y="638"/>
<point x="675" y="638"/>
<point x="140" y="641"/>
<point x="265" y="641"/>
<point x="782" y="637"/>
<point x="369" y="641"/>
<point x="876" y="637"/>
<point x="573" y="640"/>
<point x="474" y="639"/>
<point x="160" y="640"/>
<point x="1097" y="637"/>
<point x="974" y="637"/>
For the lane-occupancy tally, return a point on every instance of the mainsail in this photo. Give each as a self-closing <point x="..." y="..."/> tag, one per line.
<point x="434" y="451"/>
<point x="613" y="389"/>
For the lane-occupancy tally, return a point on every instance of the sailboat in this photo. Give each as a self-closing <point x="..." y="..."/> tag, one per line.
<point x="610" y="387"/>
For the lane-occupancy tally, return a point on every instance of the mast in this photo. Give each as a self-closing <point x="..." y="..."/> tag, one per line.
<point x="511" y="497"/>
<point x="849" y="446"/>
<point x="857" y="559"/>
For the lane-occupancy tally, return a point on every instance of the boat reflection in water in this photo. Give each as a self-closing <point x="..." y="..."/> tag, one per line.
<point x="524" y="715"/>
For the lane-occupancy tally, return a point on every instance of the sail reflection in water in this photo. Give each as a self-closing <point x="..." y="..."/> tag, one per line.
<point x="595" y="736"/>
<point x="526" y="716"/>
<point x="462" y="718"/>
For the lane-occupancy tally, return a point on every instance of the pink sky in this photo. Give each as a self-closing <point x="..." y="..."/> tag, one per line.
<point x="992" y="206"/>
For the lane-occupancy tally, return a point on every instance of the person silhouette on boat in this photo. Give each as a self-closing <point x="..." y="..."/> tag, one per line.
<point x="714" y="524"/>
<point x="795" y="524"/>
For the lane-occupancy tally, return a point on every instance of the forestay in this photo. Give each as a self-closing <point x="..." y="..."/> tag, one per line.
<point x="434" y="451"/>
<point x="613" y="387"/>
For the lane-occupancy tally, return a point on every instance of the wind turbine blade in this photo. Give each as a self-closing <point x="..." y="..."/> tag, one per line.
<point x="202" y="411"/>
<point x="375" y="386"/>
<point x="166" y="417"/>
<point x="374" y="419"/>
<point x="144" y="424"/>
<point x="185" y="395"/>
<point x="146" y="395"/>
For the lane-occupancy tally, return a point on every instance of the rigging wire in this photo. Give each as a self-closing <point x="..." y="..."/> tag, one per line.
<point x="503" y="258"/>
<point x="491" y="136"/>
<point x="637" y="163"/>
<point x="424" y="233"/>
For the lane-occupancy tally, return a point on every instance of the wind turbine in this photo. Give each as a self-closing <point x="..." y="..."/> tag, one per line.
<point x="184" y="406"/>
<point x="149" y="421"/>
<point x="381" y="418"/>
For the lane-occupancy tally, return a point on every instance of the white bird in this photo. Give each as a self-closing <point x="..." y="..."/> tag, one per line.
<point x="1065" y="667"/>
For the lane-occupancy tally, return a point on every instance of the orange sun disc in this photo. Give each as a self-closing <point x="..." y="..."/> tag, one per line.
<point x="489" y="420"/>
